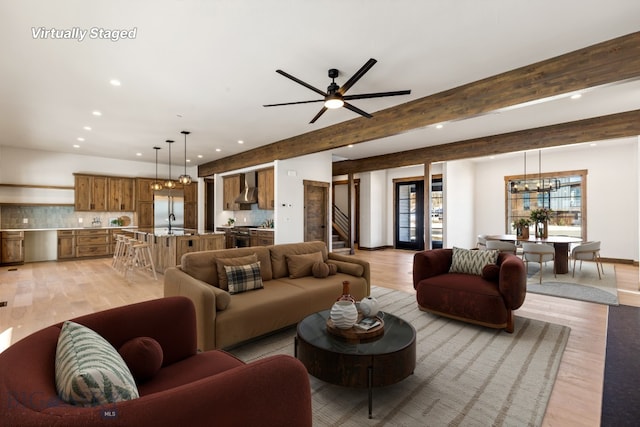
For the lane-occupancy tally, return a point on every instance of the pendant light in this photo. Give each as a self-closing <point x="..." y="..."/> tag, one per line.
<point x="169" y="183"/>
<point x="156" y="185"/>
<point x="185" y="179"/>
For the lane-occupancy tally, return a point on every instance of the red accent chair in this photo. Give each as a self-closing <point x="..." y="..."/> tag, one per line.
<point x="190" y="389"/>
<point x="487" y="300"/>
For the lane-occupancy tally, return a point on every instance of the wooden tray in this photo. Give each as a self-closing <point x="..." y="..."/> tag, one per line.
<point x="356" y="334"/>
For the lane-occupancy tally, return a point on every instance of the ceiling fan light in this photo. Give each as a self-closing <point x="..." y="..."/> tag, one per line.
<point x="332" y="102"/>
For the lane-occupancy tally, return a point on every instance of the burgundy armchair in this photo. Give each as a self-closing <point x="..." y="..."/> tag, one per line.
<point x="488" y="299"/>
<point x="190" y="389"/>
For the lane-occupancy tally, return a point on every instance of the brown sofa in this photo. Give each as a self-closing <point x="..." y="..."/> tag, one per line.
<point x="190" y="388"/>
<point x="487" y="301"/>
<point x="224" y="320"/>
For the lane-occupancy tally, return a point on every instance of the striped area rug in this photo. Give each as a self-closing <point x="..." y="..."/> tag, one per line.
<point x="465" y="375"/>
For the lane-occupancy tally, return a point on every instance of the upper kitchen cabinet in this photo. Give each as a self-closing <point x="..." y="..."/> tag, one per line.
<point x="90" y="193"/>
<point x="231" y="190"/>
<point x="191" y="205"/>
<point x="144" y="193"/>
<point x="121" y="194"/>
<point x="266" y="198"/>
<point x="144" y="203"/>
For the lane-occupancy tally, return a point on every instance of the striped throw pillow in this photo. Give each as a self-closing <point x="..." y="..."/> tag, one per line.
<point x="89" y="371"/>
<point x="243" y="278"/>
<point x="471" y="261"/>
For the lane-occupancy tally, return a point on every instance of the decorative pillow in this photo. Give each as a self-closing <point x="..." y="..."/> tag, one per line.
<point x="470" y="261"/>
<point x="143" y="356"/>
<point x="320" y="270"/>
<point x="491" y="272"/>
<point x="350" y="268"/>
<point x="89" y="371"/>
<point x="243" y="278"/>
<point x="301" y="265"/>
<point x="333" y="269"/>
<point x="222" y="262"/>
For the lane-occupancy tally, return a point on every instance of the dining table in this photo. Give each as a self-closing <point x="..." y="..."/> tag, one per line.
<point x="560" y="244"/>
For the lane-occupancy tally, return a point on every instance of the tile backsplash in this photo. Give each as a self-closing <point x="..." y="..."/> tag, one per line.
<point x="52" y="217"/>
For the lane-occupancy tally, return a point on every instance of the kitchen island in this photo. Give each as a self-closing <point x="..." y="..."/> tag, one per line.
<point x="168" y="246"/>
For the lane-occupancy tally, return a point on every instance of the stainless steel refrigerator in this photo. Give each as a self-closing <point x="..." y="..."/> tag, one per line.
<point x="165" y="203"/>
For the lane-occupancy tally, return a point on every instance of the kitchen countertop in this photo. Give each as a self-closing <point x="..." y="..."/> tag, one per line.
<point x="164" y="232"/>
<point x="68" y="228"/>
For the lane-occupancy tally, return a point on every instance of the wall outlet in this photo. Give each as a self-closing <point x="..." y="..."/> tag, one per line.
<point x="25" y="220"/>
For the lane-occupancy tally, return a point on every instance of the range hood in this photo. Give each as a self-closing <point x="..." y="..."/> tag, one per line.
<point x="249" y="193"/>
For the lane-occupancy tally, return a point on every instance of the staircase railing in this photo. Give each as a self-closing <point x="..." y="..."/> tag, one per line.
<point x="341" y="224"/>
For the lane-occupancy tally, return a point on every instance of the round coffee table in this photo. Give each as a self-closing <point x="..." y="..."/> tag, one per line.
<point x="383" y="361"/>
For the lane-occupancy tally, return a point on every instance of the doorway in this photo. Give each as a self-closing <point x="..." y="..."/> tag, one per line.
<point x="316" y="211"/>
<point x="409" y="215"/>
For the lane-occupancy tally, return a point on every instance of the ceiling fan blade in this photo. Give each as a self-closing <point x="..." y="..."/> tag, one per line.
<point x="292" y="103"/>
<point x="361" y="72"/>
<point x="357" y="110"/>
<point x="376" y="95"/>
<point x="321" y="112"/>
<point x="307" y="85"/>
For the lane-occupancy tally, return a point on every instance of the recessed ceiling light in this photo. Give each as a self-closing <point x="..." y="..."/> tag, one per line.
<point x="218" y="150"/>
<point x="138" y="154"/>
<point x="240" y="141"/>
<point x="593" y="144"/>
<point x="350" y="146"/>
<point x="576" y="96"/>
<point x="115" y="82"/>
<point x="200" y="156"/>
<point x="96" y="113"/>
<point x="76" y="146"/>
<point x="81" y="139"/>
<point x="188" y="160"/>
<point x="87" y="128"/>
<point x="439" y="126"/>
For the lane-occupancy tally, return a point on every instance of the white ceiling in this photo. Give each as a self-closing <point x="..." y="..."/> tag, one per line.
<point x="209" y="66"/>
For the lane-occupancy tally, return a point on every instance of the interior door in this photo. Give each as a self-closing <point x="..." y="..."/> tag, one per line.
<point x="409" y="213"/>
<point x="316" y="208"/>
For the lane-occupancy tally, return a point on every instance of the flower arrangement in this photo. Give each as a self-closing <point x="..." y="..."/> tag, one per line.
<point x="522" y="222"/>
<point x="541" y="215"/>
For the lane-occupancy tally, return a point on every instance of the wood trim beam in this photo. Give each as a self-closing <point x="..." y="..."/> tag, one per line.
<point x="603" y="63"/>
<point x="595" y="129"/>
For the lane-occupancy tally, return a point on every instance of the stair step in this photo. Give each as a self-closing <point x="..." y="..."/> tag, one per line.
<point x="344" y="251"/>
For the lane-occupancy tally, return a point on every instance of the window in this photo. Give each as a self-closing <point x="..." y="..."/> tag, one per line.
<point x="560" y="191"/>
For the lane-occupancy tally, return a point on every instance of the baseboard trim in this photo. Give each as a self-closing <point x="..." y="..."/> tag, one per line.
<point x="377" y="248"/>
<point x="619" y="261"/>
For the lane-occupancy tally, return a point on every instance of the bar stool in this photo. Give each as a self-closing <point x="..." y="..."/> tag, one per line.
<point x="139" y="257"/>
<point x="119" y="251"/>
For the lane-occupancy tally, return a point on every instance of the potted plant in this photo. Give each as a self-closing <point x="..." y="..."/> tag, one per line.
<point x="540" y="218"/>
<point x="522" y="228"/>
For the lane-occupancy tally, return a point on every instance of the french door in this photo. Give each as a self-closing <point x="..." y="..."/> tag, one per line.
<point x="409" y="213"/>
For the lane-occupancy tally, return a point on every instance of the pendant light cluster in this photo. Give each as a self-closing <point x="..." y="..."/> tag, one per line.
<point x="184" y="179"/>
<point x="542" y="185"/>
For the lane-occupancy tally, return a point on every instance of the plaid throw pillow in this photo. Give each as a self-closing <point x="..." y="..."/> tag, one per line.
<point x="243" y="278"/>
<point x="471" y="261"/>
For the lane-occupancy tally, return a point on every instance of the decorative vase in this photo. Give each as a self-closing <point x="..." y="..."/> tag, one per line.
<point x="369" y="307"/>
<point x="522" y="232"/>
<point x="346" y="296"/>
<point x="542" y="229"/>
<point x="344" y="314"/>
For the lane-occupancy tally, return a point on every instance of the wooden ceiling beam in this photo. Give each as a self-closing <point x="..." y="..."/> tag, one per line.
<point x="604" y="63"/>
<point x="594" y="129"/>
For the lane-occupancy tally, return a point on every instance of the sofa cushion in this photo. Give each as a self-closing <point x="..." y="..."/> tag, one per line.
<point x="302" y="265"/>
<point x="202" y="265"/>
<point x="243" y="278"/>
<point x="350" y="268"/>
<point x="470" y="261"/>
<point x="222" y="262"/>
<point x="88" y="370"/>
<point x="143" y="356"/>
<point x="279" y="253"/>
<point x="320" y="270"/>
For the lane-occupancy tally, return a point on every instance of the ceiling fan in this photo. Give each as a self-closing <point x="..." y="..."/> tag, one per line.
<point x="335" y="96"/>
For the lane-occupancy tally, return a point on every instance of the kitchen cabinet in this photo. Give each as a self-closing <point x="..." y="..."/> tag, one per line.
<point x="66" y="244"/>
<point x="12" y="247"/>
<point x="90" y="193"/>
<point x="191" y="205"/>
<point x="210" y="242"/>
<point x="121" y="194"/>
<point x="90" y="243"/>
<point x="230" y="191"/>
<point x="144" y="202"/>
<point x="261" y="237"/>
<point x="266" y="192"/>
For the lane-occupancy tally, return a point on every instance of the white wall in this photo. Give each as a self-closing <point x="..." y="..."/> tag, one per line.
<point x="373" y="209"/>
<point x="458" y="205"/>
<point x="612" y="192"/>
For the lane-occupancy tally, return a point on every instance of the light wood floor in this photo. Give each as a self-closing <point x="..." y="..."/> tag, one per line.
<point x="40" y="294"/>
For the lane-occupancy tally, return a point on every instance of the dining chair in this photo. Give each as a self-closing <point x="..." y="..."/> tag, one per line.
<point x="589" y="251"/>
<point x="482" y="241"/>
<point x="501" y="246"/>
<point x="540" y="253"/>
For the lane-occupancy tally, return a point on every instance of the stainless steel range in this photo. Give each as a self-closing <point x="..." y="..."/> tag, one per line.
<point x="241" y="235"/>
